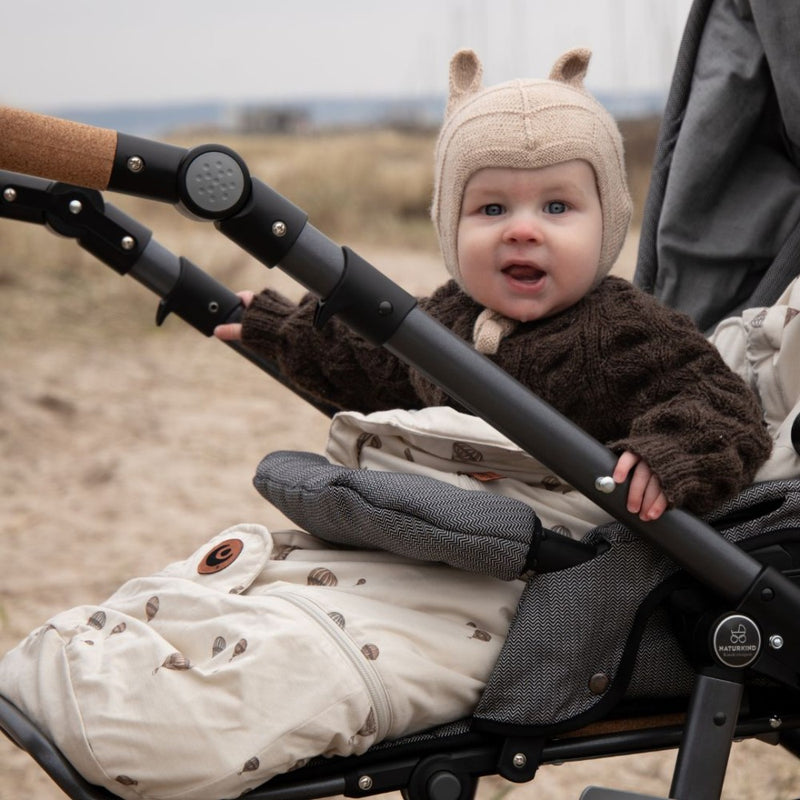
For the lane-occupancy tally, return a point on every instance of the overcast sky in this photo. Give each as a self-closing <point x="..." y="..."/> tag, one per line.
<point x="117" y="52"/>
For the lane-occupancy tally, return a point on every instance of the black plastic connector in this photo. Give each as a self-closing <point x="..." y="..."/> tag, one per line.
<point x="267" y="226"/>
<point x="23" y="197"/>
<point x="551" y="551"/>
<point x="366" y="300"/>
<point x="146" y="168"/>
<point x="200" y="300"/>
<point x="107" y="233"/>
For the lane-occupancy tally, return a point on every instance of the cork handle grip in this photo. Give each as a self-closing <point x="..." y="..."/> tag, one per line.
<point x="57" y="149"/>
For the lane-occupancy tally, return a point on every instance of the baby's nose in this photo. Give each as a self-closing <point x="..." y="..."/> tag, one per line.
<point x="523" y="227"/>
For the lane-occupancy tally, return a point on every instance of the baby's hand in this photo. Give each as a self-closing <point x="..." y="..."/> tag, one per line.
<point x="645" y="495"/>
<point x="232" y="331"/>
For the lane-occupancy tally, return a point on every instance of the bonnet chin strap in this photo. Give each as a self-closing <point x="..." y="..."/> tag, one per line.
<point x="490" y="329"/>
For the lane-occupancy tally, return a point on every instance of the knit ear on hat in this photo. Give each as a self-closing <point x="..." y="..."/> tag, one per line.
<point x="571" y="67"/>
<point x="466" y="75"/>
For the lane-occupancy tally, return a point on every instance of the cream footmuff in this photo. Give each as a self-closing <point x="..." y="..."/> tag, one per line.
<point x="254" y="655"/>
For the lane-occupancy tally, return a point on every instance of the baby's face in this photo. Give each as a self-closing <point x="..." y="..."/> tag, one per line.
<point x="529" y="240"/>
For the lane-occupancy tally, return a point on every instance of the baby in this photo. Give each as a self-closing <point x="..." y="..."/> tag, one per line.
<point x="531" y="207"/>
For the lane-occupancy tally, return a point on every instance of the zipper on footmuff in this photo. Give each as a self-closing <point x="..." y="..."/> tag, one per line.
<point x="379" y="700"/>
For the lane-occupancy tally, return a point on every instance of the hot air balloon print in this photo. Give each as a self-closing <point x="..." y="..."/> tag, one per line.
<point x="97" y="620"/>
<point x="321" y="576"/>
<point x="218" y="646"/>
<point x="370" y="726"/>
<point x="251" y="765"/>
<point x="337" y="618"/>
<point x="553" y="484"/>
<point x="175" y="661"/>
<point x="239" y="648"/>
<point x="368" y="440"/>
<point x="370" y="651"/>
<point x="480" y="635"/>
<point x="151" y="608"/>
<point x="282" y="552"/>
<point x="466" y="452"/>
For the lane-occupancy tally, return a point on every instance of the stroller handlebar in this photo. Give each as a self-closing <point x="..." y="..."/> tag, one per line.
<point x="58" y="149"/>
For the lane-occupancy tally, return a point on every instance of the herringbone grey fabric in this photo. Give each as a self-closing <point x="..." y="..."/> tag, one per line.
<point x="580" y="623"/>
<point x="410" y="515"/>
<point x="570" y="626"/>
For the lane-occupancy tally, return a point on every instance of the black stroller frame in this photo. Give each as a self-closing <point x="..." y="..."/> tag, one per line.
<point x="755" y="601"/>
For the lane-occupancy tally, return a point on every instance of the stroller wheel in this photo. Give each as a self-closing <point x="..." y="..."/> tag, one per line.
<point x="434" y="779"/>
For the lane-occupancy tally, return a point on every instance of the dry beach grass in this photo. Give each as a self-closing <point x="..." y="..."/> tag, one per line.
<point x="123" y="446"/>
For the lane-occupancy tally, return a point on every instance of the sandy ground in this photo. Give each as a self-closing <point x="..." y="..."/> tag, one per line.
<point x="123" y="447"/>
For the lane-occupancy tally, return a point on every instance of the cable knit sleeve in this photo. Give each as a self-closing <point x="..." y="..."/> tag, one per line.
<point x="332" y="363"/>
<point x="692" y="419"/>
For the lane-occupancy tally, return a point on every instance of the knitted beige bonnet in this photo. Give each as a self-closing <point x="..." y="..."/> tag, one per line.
<point x="527" y="124"/>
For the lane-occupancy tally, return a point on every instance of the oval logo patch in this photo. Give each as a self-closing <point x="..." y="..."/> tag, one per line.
<point x="220" y="557"/>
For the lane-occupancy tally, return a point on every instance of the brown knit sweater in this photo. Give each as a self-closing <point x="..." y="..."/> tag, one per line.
<point x="632" y="373"/>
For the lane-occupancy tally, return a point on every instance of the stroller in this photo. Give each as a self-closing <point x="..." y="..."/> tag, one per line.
<point x="703" y="584"/>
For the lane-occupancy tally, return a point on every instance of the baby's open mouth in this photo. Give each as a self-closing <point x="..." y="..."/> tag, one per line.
<point x="524" y="273"/>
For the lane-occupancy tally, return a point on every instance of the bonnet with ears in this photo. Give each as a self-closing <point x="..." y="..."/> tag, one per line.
<point x="527" y="124"/>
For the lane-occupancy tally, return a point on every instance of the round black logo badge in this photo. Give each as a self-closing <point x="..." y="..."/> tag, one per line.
<point x="736" y="640"/>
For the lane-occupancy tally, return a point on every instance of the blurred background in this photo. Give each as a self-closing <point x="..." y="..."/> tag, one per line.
<point x="192" y="70"/>
<point x="89" y="54"/>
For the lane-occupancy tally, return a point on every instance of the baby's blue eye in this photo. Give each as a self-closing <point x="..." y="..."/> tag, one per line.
<point x="493" y="209"/>
<point x="556" y="207"/>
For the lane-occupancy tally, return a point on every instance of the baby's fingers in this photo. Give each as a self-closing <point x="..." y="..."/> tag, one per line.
<point x="230" y="332"/>
<point x="625" y="463"/>
<point x="655" y="501"/>
<point x="637" y="490"/>
<point x="645" y="495"/>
